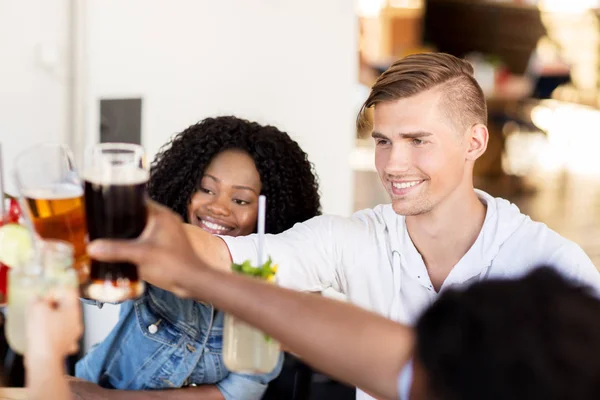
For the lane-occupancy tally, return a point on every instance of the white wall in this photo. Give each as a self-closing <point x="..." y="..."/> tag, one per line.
<point x="33" y="76"/>
<point x="286" y="62"/>
<point x="290" y="63"/>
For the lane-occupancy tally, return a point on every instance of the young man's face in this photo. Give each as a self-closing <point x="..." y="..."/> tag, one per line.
<point x="420" y="154"/>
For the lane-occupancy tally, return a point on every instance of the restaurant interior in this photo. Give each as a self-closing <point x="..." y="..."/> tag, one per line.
<point x="87" y="72"/>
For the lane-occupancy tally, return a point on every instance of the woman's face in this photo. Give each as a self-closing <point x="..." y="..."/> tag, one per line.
<point x="226" y="202"/>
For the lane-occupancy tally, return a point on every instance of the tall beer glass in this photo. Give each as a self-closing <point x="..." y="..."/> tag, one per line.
<point x="53" y="193"/>
<point x="115" y="203"/>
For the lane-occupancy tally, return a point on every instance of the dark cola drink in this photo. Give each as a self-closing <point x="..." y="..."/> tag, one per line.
<point x="115" y="204"/>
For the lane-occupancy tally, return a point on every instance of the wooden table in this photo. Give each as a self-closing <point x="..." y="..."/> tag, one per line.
<point x="13" y="394"/>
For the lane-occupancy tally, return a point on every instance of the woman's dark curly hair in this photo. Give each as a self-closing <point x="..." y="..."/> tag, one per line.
<point x="287" y="177"/>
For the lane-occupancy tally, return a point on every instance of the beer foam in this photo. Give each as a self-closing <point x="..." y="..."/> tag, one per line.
<point x="57" y="191"/>
<point x="117" y="175"/>
<point x="106" y="292"/>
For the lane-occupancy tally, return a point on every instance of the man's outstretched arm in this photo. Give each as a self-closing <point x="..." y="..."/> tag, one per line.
<point x="346" y="342"/>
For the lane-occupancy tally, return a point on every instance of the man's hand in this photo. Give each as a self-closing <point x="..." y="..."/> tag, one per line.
<point x="162" y="253"/>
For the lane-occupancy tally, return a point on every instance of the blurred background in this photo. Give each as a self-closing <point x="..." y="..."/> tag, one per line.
<point x="88" y="71"/>
<point x="538" y="63"/>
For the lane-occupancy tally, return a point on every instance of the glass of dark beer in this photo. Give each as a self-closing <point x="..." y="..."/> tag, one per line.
<point x="52" y="194"/>
<point x="115" y="179"/>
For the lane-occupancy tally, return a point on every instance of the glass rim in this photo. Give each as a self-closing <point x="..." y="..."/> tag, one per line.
<point x="99" y="151"/>
<point x="66" y="155"/>
<point x="133" y="147"/>
<point x="47" y="249"/>
<point x="29" y="149"/>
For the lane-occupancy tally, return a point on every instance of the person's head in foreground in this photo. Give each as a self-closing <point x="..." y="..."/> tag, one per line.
<point x="212" y="173"/>
<point x="533" y="338"/>
<point x="429" y="126"/>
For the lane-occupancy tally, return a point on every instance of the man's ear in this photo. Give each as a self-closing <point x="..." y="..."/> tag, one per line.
<point x="477" y="138"/>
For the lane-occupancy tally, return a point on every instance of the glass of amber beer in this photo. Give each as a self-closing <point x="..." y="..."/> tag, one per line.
<point x="115" y="178"/>
<point x="53" y="196"/>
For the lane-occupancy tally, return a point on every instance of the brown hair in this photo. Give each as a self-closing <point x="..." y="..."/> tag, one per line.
<point x="462" y="99"/>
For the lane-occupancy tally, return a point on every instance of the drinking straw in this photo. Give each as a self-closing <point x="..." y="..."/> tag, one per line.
<point x="262" y="204"/>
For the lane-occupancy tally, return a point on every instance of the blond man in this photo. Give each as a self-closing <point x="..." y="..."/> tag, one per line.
<point x="429" y="127"/>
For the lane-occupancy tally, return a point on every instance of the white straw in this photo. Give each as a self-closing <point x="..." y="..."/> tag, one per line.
<point x="262" y="205"/>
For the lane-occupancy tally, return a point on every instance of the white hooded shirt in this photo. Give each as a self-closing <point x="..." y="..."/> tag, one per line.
<point x="371" y="259"/>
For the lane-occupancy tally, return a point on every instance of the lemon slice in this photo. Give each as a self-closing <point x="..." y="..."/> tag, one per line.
<point x="15" y="245"/>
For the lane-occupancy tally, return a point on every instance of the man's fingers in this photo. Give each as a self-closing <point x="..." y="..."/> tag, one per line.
<point x="74" y="348"/>
<point x="162" y="235"/>
<point x="117" y="250"/>
<point x="125" y="249"/>
<point x="129" y="250"/>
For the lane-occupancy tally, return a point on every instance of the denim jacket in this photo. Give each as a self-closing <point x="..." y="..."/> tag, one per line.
<point x="164" y="342"/>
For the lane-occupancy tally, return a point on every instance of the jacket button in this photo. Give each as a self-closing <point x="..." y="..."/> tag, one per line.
<point x="152" y="329"/>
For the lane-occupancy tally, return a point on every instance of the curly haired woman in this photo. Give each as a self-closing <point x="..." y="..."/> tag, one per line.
<point x="211" y="174"/>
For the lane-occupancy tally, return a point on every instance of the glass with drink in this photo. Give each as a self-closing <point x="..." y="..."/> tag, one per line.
<point x="53" y="196"/>
<point x="115" y="203"/>
<point x="246" y="349"/>
<point x="50" y="268"/>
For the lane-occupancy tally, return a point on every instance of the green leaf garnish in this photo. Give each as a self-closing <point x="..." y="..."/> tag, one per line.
<point x="264" y="271"/>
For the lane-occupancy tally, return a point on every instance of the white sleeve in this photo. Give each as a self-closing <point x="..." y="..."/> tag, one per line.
<point x="571" y="261"/>
<point x="307" y="254"/>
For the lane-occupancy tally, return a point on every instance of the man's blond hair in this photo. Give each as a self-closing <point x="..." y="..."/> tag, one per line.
<point x="462" y="99"/>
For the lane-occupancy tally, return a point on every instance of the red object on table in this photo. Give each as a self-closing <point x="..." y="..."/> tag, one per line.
<point x="12" y="216"/>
